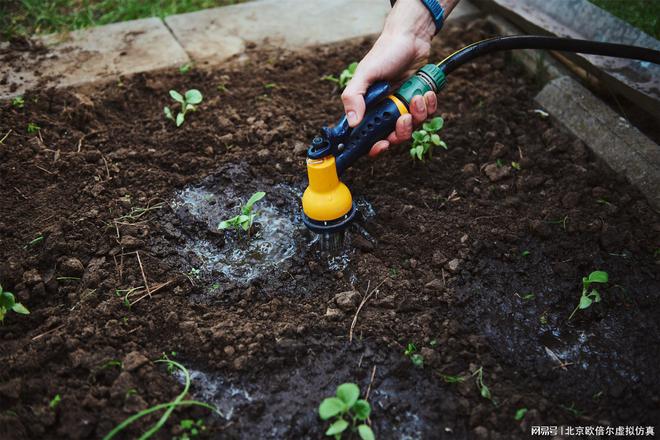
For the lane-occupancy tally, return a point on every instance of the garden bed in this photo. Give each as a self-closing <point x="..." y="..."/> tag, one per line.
<point x="476" y="262"/>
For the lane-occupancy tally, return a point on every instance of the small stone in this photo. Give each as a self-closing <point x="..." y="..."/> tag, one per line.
<point x="229" y="350"/>
<point x="348" y="300"/>
<point x="464" y="238"/>
<point x="499" y="150"/>
<point x="470" y="169"/>
<point x="32" y="277"/>
<point x="264" y="152"/>
<point x="496" y="173"/>
<point x="134" y="360"/>
<point x="453" y="265"/>
<point x="439" y="258"/>
<point x="333" y="313"/>
<point x="435" y="285"/>
<point x="71" y="267"/>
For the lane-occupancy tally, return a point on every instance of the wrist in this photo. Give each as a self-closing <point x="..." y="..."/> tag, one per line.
<point x="410" y="17"/>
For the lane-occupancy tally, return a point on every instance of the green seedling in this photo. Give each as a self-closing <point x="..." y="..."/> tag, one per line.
<point x="515" y="166"/>
<point x="448" y="378"/>
<point x="411" y="352"/>
<point x="525" y="253"/>
<point x="55" y="401"/>
<point x="588" y="298"/>
<point x="344" y="77"/>
<point x="520" y="414"/>
<point x="483" y="389"/>
<point x="269" y="86"/>
<point x="245" y="219"/>
<point x="528" y="296"/>
<point x="33" y="128"/>
<point x="426" y="139"/>
<point x="8" y="303"/>
<point x="169" y="407"/>
<point x="572" y="409"/>
<point x="222" y="88"/>
<point x="499" y="163"/>
<point x="18" y="102"/>
<point x="191" y="428"/>
<point x="187" y="102"/>
<point x="185" y="68"/>
<point x="348" y="412"/>
<point x="194" y="273"/>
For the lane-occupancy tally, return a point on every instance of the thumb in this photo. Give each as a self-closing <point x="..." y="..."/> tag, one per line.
<point x="353" y="98"/>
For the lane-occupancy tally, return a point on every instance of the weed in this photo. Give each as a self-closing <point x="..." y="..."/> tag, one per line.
<point x="8" y="302"/>
<point x="270" y="86"/>
<point x="525" y="253"/>
<point x="520" y="414"/>
<point x="18" y="102"/>
<point x="347" y="405"/>
<point x="499" y="163"/>
<point x="185" y="68"/>
<point x="33" y="128"/>
<point x="411" y="352"/>
<point x="55" y="401"/>
<point x="37" y="240"/>
<point x="215" y="286"/>
<point x="246" y="218"/>
<point x="516" y="166"/>
<point x="426" y="139"/>
<point x="222" y="88"/>
<point x="194" y="273"/>
<point x="130" y="392"/>
<point x="191" y="428"/>
<point x="561" y="222"/>
<point x="572" y="409"/>
<point x="433" y="343"/>
<point x="448" y="378"/>
<point x="169" y="407"/>
<point x="528" y="296"/>
<point x="543" y="319"/>
<point x="112" y="363"/>
<point x="393" y="272"/>
<point x="483" y="389"/>
<point x="344" y="77"/>
<point x="187" y="103"/>
<point x="588" y="298"/>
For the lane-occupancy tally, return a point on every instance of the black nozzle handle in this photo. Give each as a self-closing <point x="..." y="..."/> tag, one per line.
<point x="377" y="124"/>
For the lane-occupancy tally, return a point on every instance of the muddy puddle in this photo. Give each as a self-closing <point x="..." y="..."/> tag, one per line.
<point x="406" y="401"/>
<point x="213" y="258"/>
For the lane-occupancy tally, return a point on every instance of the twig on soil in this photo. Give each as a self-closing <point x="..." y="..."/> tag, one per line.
<point x="44" y="169"/>
<point x="156" y="289"/>
<point x="373" y="374"/>
<point x="107" y="169"/>
<point x="362" y="303"/>
<point x="80" y="141"/>
<point x="2" y="141"/>
<point x="48" y="332"/>
<point x="144" y="276"/>
<point x="19" y="191"/>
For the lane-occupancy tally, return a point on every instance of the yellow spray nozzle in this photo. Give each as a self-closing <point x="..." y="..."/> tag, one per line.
<point x="327" y="202"/>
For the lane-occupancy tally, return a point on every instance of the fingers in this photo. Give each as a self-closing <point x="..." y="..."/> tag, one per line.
<point x="353" y="98"/>
<point x="431" y="100"/>
<point x="403" y="130"/>
<point x="418" y="110"/>
<point x="378" y="148"/>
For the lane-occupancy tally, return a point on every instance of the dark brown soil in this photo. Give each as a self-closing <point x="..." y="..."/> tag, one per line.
<point x="455" y="255"/>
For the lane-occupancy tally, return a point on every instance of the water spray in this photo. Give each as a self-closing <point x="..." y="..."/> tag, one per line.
<point x="328" y="206"/>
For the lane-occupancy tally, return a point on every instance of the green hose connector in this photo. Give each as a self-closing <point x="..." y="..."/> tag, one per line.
<point x="428" y="78"/>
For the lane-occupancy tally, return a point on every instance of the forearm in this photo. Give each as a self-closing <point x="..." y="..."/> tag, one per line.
<point x="412" y="17"/>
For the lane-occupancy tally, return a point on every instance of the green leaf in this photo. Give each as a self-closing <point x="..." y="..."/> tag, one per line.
<point x="366" y="433"/>
<point x="434" y="124"/>
<point x="179" y="119"/>
<point x="337" y="428"/>
<point x="348" y="393"/>
<point x="330" y="407"/>
<point x="20" y="308"/>
<point x="168" y="113"/>
<point x="352" y="66"/>
<point x="417" y="136"/>
<point x="585" y="302"/>
<point x="435" y="139"/>
<point x="254" y="199"/>
<point x="485" y="392"/>
<point x="362" y="409"/>
<point x="426" y="138"/>
<point x="520" y="414"/>
<point x="190" y="108"/>
<point x="443" y="145"/>
<point x="176" y="96"/>
<point x="193" y="96"/>
<point x="598" y="276"/>
<point x="7" y="300"/>
<point x="417" y="360"/>
<point x="595" y="295"/>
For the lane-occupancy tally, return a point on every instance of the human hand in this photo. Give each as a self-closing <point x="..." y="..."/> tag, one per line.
<point x="402" y="48"/>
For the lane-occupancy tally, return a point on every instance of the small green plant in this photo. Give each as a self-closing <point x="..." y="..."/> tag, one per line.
<point x="348" y="411"/>
<point x="344" y="77"/>
<point x="8" y="302"/>
<point x="185" y="68"/>
<point x="55" y="401"/>
<point x="520" y="414"/>
<point x="588" y="298"/>
<point x="426" y="139"/>
<point x="33" y="128"/>
<point x="245" y="219"/>
<point x="169" y="407"/>
<point x="516" y="166"/>
<point x="525" y="253"/>
<point x="449" y="378"/>
<point x="191" y="428"/>
<point x="269" y="86"/>
<point x="187" y="103"/>
<point x="528" y="296"/>
<point x="483" y="389"/>
<point x="194" y="273"/>
<point x="411" y="352"/>
<point x="18" y="102"/>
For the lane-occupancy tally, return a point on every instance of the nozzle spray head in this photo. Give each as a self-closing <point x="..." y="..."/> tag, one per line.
<point x="327" y="203"/>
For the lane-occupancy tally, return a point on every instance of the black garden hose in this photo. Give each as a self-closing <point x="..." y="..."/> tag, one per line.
<point x="468" y="53"/>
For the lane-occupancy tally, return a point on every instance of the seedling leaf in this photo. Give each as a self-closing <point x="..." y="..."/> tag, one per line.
<point x="177" y="96"/>
<point x="366" y="433"/>
<point x="337" y="428"/>
<point x="193" y="96"/>
<point x="598" y="276"/>
<point x="585" y="302"/>
<point x="348" y="393"/>
<point x="330" y="407"/>
<point x="179" y="119"/>
<point x="254" y="199"/>
<point x="20" y="308"/>
<point x="168" y="113"/>
<point x="520" y="414"/>
<point x="362" y="409"/>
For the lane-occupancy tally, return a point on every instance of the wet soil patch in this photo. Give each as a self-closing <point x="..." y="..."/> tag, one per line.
<point x="94" y="205"/>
